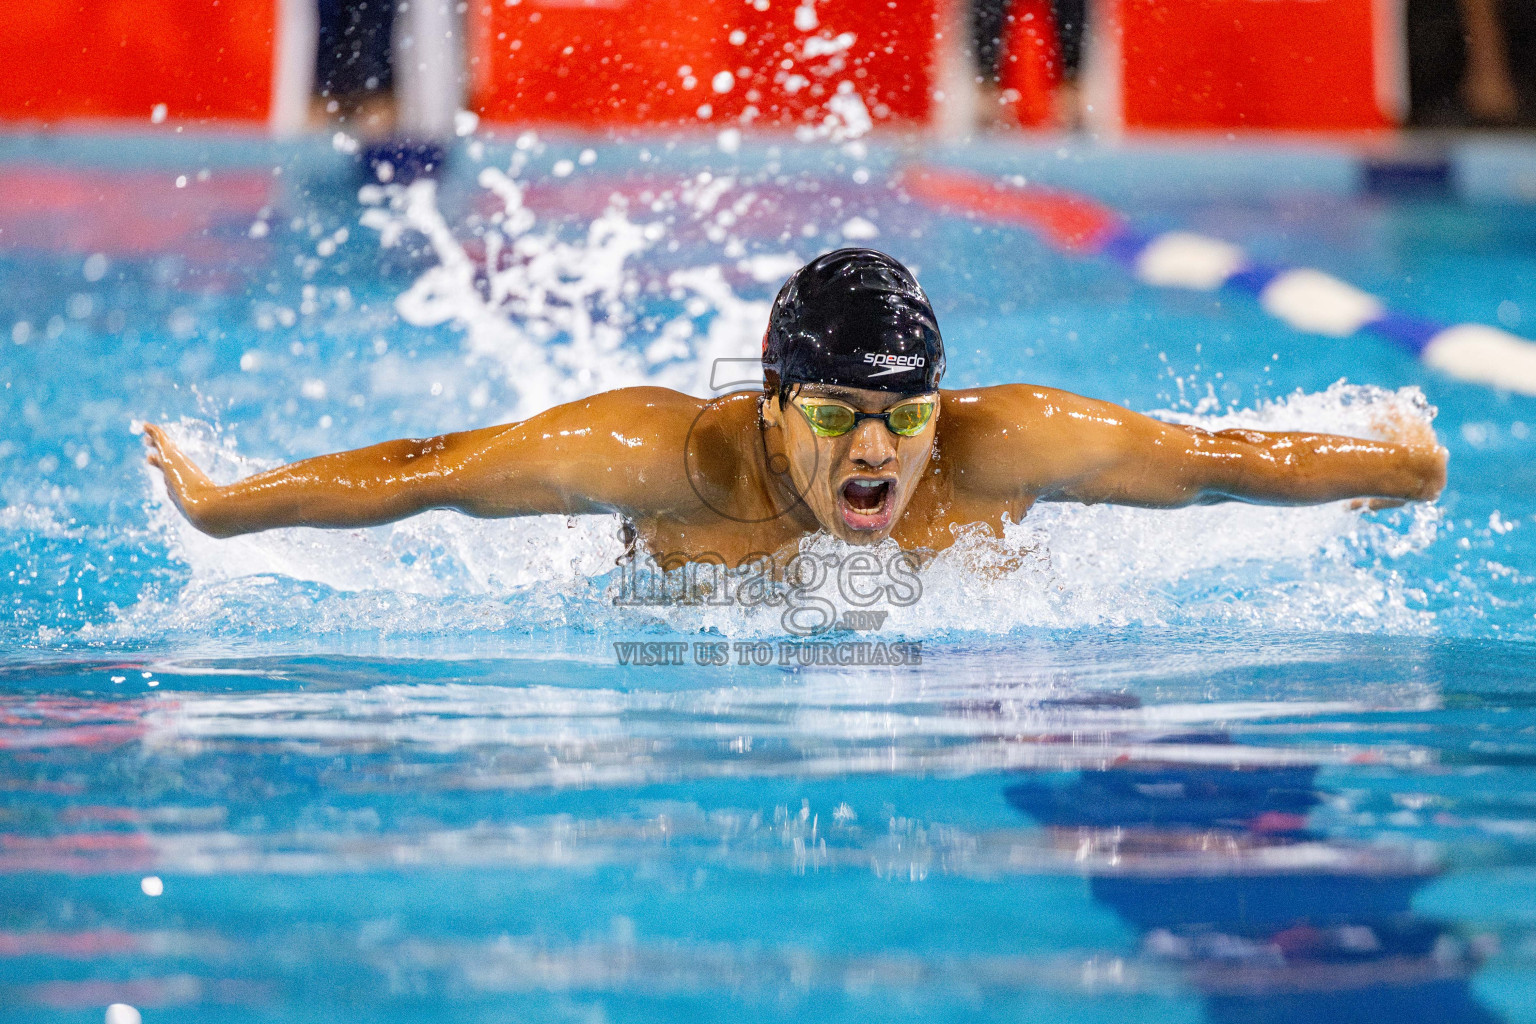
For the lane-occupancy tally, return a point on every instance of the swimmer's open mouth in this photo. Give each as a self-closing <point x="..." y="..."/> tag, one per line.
<point x="866" y="504"/>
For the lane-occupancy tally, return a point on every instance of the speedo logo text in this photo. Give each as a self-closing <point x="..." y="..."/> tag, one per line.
<point x="893" y="364"/>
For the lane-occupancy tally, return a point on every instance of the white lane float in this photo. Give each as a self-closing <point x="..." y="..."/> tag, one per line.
<point x="1306" y="299"/>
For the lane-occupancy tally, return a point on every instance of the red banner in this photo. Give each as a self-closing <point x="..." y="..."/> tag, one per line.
<point x="67" y="59"/>
<point x="676" y="62"/>
<point x="1221" y="64"/>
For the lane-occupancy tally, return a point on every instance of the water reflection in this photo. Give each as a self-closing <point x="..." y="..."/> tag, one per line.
<point x="1265" y="918"/>
<point x="463" y="832"/>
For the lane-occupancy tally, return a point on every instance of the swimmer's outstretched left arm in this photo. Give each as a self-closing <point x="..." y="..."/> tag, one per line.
<point x="1067" y="448"/>
<point x="615" y="452"/>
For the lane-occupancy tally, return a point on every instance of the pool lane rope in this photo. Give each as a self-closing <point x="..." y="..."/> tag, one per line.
<point x="1306" y="299"/>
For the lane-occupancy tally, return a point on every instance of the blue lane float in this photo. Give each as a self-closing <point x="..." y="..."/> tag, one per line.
<point x="1304" y="298"/>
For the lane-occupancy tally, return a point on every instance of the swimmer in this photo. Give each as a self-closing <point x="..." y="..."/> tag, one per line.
<point x="850" y="435"/>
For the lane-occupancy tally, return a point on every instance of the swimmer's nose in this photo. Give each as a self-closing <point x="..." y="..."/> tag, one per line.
<point x="872" y="445"/>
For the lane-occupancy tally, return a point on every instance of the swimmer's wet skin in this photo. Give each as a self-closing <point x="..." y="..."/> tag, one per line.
<point x="850" y="435"/>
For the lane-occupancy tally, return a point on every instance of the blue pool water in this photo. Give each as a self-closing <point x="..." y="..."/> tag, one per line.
<point x="1222" y="764"/>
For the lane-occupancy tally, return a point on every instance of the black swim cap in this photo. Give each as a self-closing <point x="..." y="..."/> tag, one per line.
<point x="856" y="318"/>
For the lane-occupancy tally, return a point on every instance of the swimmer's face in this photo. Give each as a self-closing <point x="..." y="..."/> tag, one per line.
<point x="857" y="483"/>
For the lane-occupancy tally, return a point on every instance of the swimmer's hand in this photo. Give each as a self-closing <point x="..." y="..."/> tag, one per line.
<point x="1402" y="427"/>
<point x="1421" y="450"/>
<point x="189" y="487"/>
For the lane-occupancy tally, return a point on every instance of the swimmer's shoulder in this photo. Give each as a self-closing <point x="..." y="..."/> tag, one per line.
<point x="660" y="422"/>
<point x="1003" y="409"/>
<point x="689" y="450"/>
<point x="647" y="398"/>
<point x="1004" y="439"/>
<point x="637" y="430"/>
<point x="655" y="411"/>
<point x="659" y="401"/>
<point x="724" y="431"/>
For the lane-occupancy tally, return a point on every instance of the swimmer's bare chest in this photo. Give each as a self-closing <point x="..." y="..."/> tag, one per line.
<point x="939" y="511"/>
<point x="932" y="521"/>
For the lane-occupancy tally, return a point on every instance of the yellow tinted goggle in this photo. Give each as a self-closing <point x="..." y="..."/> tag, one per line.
<point x="834" y="419"/>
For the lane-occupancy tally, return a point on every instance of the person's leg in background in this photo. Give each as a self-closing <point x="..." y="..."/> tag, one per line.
<point x="354" y="66"/>
<point x="1488" y="90"/>
<point x="987" y="22"/>
<point x="1071" y="19"/>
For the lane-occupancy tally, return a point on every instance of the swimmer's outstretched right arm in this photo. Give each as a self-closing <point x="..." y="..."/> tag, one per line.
<point x="614" y="452"/>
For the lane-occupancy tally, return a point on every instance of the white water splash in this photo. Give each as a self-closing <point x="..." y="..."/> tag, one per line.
<point x="1322" y="569"/>
<point x="846" y="119"/>
<point x="555" y="318"/>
